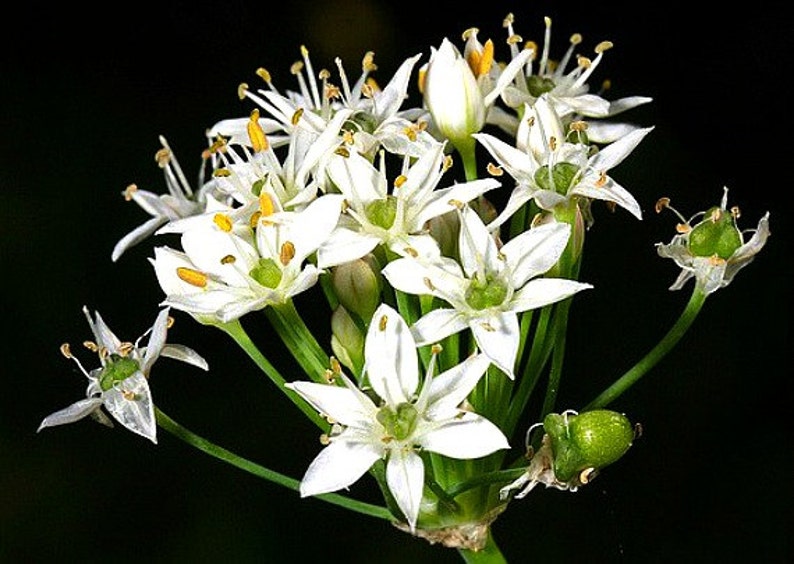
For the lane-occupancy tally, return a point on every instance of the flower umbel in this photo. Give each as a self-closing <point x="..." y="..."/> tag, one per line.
<point x="121" y="383"/>
<point x="403" y="418"/>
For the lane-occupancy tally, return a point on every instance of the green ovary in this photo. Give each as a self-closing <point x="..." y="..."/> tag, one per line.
<point x="538" y="85"/>
<point x="560" y="179"/>
<point x="267" y="273"/>
<point x="382" y="212"/>
<point x="716" y="235"/>
<point x="399" y="422"/>
<point x="484" y="294"/>
<point x="118" y="369"/>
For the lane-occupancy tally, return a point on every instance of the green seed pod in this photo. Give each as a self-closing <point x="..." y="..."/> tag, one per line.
<point x="584" y="443"/>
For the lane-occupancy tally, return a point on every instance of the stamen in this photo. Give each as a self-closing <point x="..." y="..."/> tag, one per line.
<point x="263" y="74"/>
<point x="256" y="133"/>
<point x="576" y="39"/>
<point x="382" y="322"/>
<point x="129" y="191"/>
<point x="66" y="350"/>
<point x="368" y="62"/>
<point x="221" y="173"/>
<point x="169" y="322"/>
<point x="411" y="251"/>
<point x="553" y="143"/>
<point x="428" y="283"/>
<point x="128" y="395"/>
<point x="162" y="157"/>
<point x="602" y="179"/>
<point x="254" y="219"/>
<point x="400" y="180"/>
<point x="223" y="222"/>
<point x="736" y="212"/>
<point x="494" y="170"/>
<point x="287" y="253"/>
<point x="683" y="228"/>
<point x="266" y="205"/>
<point x="662" y="203"/>
<point x="603" y="46"/>
<point x="448" y="163"/>
<point x="436" y="349"/>
<point x="515" y="39"/>
<point x="342" y="152"/>
<point x="228" y="259"/>
<point x="242" y="89"/>
<point x="509" y="19"/>
<point x="297" y="116"/>
<point x="125" y="348"/>
<point x="325" y="440"/>
<point x="192" y="277"/>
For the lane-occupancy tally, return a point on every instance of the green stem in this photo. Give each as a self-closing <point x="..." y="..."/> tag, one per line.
<point x="221" y="453"/>
<point x="299" y="340"/>
<point x="664" y="346"/>
<point x="555" y="374"/>
<point x="489" y="554"/>
<point x="235" y="330"/>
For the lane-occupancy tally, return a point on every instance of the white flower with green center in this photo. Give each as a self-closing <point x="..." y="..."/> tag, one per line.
<point x="714" y="249"/>
<point x="401" y="419"/>
<point x="227" y="270"/>
<point x="397" y="220"/>
<point x="121" y="384"/>
<point x="490" y="286"/>
<point x="555" y="172"/>
<point x="180" y="201"/>
<point x="458" y="90"/>
<point x="567" y="88"/>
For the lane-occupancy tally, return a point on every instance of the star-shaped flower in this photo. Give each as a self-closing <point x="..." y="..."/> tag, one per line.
<point x="490" y="288"/>
<point x="712" y="250"/>
<point x="397" y="219"/>
<point x="121" y="383"/>
<point x="555" y="172"/>
<point x="402" y="418"/>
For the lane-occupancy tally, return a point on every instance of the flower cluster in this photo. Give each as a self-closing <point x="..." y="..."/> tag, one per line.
<point x="447" y="282"/>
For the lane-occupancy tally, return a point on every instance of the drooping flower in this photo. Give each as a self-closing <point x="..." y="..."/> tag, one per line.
<point x="180" y="201"/>
<point x="490" y="286"/>
<point x="556" y="172"/>
<point x="714" y="249"/>
<point x="227" y="269"/>
<point x="121" y="383"/>
<point x="396" y="219"/>
<point x="403" y="417"/>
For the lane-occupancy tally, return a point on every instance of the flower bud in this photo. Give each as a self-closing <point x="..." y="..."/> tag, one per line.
<point x="357" y="285"/>
<point x="347" y="340"/>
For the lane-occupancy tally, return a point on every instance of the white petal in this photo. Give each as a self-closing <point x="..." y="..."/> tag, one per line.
<point x="477" y="246"/>
<point x="390" y="358"/>
<point x="154" y="345"/>
<point x="544" y="291"/>
<point x="470" y="436"/>
<point x="345" y="245"/>
<point x="73" y="413"/>
<point x="342" y="404"/>
<point x="535" y="251"/>
<point x="411" y="276"/>
<point x="610" y="191"/>
<point x="185" y="354"/>
<point x="136" y="236"/>
<point x="613" y="154"/>
<point x="438" y="324"/>
<point x="405" y="475"/>
<point x="337" y="466"/>
<point x="497" y="336"/>
<point x="447" y="390"/>
<point x="130" y="403"/>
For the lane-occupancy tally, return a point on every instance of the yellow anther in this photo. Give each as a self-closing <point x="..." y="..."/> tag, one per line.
<point x="603" y="46"/>
<point x="263" y="74"/>
<point x="532" y="46"/>
<point x="223" y="221"/>
<point x="296" y="67"/>
<point x="411" y="252"/>
<point x="469" y="32"/>
<point x="169" y="322"/>
<point x="91" y="346"/>
<point x="587" y="475"/>
<point x="342" y="152"/>
<point x="716" y="260"/>
<point x="578" y="125"/>
<point x="336" y="368"/>
<point x="410" y="132"/>
<point x="329" y="376"/>
<point x="494" y="170"/>
<point x="480" y="62"/>
<point x="192" y="277"/>
<point x="421" y="76"/>
<point x="218" y="145"/>
<point x="436" y="349"/>
<point x="256" y="134"/>
<point x="606" y="85"/>
<point x="128" y="395"/>
<point x="66" y="350"/>
<point x="400" y="180"/>
<point x="661" y="203"/>
<point x="683" y="228"/>
<point x="382" y="322"/>
<point x="242" y="89"/>
<point x="428" y="283"/>
<point x="129" y="191"/>
<point x="514" y="39"/>
<point x="287" y="253"/>
<point x="221" y="173"/>
<point x="266" y="205"/>
<point x="736" y="212"/>
<point x="716" y="215"/>
<point x="304" y="51"/>
<point x="553" y="143"/>
<point x="368" y="62"/>
<point x="125" y="348"/>
<point x="488" y="327"/>
<point x="508" y="21"/>
<point x="229" y="259"/>
<point x="531" y="121"/>
<point x="324" y="74"/>
<point x="325" y="440"/>
<point x="332" y="92"/>
<point x="602" y="179"/>
<point x="456" y="204"/>
<point x="576" y="39"/>
<point x="448" y="163"/>
<point x="254" y="219"/>
<point x="583" y="61"/>
<point x="162" y="157"/>
<point x="367" y="90"/>
<point x="297" y="116"/>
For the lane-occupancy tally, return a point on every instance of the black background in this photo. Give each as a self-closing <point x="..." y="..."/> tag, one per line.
<point x="84" y="95"/>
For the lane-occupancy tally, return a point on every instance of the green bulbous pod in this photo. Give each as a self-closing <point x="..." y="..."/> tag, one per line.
<point x="583" y="443"/>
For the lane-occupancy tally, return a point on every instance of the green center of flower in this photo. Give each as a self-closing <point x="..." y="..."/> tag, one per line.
<point x="716" y="235"/>
<point x="539" y="85"/>
<point x="482" y="294"/>
<point x="364" y="121"/>
<point x="382" y="212"/>
<point x="559" y="179"/>
<point x="400" y="422"/>
<point x="267" y="273"/>
<point x="117" y="369"/>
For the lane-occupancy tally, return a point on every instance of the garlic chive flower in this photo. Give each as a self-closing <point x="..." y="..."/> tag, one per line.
<point x="121" y="383"/>
<point x="398" y="419"/>
<point x="552" y="166"/>
<point x="180" y="201"/>
<point x="226" y="269"/>
<point x="490" y="286"/>
<point x="710" y="247"/>
<point x="396" y="218"/>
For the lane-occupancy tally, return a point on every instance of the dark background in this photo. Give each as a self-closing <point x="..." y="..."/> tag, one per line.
<point x="84" y="95"/>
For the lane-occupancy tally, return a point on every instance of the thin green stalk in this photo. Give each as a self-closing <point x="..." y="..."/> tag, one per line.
<point x="235" y="330"/>
<point x="298" y="339"/>
<point x="490" y="554"/>
<point x="221" y="453"/>
<point x="661" y="349"/>
<point x="555" y="374"/>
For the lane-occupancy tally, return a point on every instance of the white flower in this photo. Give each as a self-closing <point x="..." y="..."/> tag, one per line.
<point x="490" y="289"/>
<point x="400" y="420"/>
<point x="121" y="383"/>
<point x="227" y="269"/>
<point x="555" y="172"/>
<point x="180" y="201"/>
<point x="397" y="219"/>
<point x="713" y="250"/>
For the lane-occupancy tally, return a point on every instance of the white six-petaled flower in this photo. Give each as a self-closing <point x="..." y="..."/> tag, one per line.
<point x="403" y="417"/>
<point x="490" y="286"/>
<point x="121" y="383"/>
